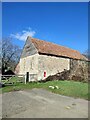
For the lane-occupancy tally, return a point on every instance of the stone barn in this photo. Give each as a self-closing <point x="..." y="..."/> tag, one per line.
<point x="42" y="59"/>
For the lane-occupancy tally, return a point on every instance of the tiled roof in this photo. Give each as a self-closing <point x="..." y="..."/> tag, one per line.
<point x="49" y="48"/>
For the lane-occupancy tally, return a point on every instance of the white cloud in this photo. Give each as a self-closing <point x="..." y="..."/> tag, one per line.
<point x="24" y="34"/>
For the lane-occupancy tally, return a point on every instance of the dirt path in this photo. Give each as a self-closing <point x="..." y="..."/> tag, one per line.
<point x="39" y="103"/>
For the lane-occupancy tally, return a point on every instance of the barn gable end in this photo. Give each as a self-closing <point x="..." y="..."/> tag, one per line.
<point x="29" y="59"/>
<point x="29" y="49"/>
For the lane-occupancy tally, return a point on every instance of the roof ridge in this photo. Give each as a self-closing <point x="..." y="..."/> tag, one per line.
<point x="55" y="49"/>
<point x="54" y="44"/>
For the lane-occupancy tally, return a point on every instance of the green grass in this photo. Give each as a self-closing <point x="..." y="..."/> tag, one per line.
<point x="67" y="88"/>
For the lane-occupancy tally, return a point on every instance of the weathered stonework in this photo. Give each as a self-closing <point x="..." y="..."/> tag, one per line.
<point x="78" y="70"/>
<point x="38" y="64"/>
<point x="51" y="65"/>
<point x="29" y="64"/>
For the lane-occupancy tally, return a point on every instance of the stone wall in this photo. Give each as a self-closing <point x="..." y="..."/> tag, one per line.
<point x="38" y="64"/>
<point x="51" y="65"/>
<point x="33" y="77"/>
<point x="29" y="64"/>
<point x="78" y="70"/>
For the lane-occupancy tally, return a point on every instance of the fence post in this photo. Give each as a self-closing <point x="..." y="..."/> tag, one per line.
<point x="29" y="78"/>
<point x="25" y="78"/>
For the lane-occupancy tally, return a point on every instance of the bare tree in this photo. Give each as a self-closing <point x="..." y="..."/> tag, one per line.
<point x="10" y="54"/>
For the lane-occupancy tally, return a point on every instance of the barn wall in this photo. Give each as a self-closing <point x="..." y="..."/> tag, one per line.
<point x="29" y="60"/>
<point x="51" y="65"/>
<point x="29" y="64"/>
<point x="78" y="70"/>
<point x="29" y="49"/>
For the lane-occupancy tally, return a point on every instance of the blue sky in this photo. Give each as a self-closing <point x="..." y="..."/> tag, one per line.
<point x="64" y="23"/>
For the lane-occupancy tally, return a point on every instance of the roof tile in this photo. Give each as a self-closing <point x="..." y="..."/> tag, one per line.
<point x="54" y="49"/>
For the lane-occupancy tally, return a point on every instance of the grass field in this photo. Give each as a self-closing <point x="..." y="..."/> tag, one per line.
<point x="67" y="88"/>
